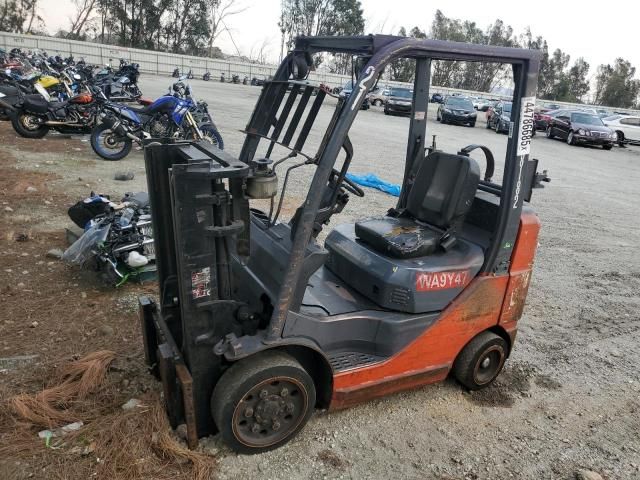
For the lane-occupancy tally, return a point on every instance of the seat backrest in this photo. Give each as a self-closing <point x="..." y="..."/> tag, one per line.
<point x="443" y="190"/>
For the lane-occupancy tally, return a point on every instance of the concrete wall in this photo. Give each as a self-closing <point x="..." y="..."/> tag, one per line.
<point x="161" y="63"/>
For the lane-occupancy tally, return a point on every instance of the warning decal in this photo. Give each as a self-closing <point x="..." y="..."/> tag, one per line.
<point x="430" y="281"/>
<point x="201" y="283"/>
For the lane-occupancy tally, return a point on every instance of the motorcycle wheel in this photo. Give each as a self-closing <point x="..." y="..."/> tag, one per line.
<point x="211" y="134"/>
<point x="26" y="126"/>
<point x="108" y="145"/>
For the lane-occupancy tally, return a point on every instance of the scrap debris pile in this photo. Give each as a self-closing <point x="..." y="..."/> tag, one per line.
<point x="117" y="239"/>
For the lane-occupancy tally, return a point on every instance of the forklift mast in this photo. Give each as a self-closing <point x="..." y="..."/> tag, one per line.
<point x="214" y="306"/>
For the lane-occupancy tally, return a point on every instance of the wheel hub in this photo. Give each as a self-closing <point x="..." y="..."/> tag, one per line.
<point x="488" y="365"/>
<point x="110" y="139"/>
<point x="269" y="412"/>
<point x="30" y="122"/>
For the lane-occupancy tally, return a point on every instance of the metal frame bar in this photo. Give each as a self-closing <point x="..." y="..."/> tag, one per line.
<point x="297" y="116"/>
<point x="418" y="125"/>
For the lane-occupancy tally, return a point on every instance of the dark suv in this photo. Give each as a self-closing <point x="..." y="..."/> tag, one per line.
<point x="457" y="110"/>
<point x="581" y="128"/>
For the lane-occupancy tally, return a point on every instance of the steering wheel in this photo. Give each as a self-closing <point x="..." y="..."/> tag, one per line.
<point x="349" y="185"/>
<point x="488" y="173"/>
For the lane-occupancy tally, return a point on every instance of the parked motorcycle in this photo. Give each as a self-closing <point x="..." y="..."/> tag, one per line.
<point x="121" y="85"/>
<point x="11" y="95"/>
<point x="34" y="81"/>
<point x="118" y="237"/>
<point x="170" y="116"/>
<point x="9" y="98"/>
<point x="207" y="76"/>
<point x="235" y="78"/>
<point x="35" y="116"/>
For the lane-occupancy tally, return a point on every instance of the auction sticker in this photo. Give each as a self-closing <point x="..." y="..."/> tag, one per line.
<point x="430" y="281"/>
<point x="527" y="125"/>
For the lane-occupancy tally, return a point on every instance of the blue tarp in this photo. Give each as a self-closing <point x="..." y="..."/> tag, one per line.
<point x="373" y="181"/>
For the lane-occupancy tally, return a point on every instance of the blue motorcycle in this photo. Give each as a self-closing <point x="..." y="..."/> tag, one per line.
<point x="175" y="115"/>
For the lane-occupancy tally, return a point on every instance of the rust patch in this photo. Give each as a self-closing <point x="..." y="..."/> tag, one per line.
<point x="483" y="303"/>
<point x="385" y="386"/>
<point x="400" y="229"/>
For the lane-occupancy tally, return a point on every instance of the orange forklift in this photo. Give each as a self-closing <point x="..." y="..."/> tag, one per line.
<point x="257" y="323"/>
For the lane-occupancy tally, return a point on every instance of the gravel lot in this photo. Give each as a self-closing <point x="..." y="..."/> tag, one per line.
<point x="569" y="397"/>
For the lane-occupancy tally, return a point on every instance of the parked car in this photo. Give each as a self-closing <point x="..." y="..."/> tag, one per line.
<point x="578" y="127"/>
<point x="379" y="96"/>
<point x="437" y="98"/>
<point x="627" y="128"/>
<point x="542" y="119"/>
<point x="482" y="104"/>
<point x="550" y="106"/>
<point x="500" y="117"/>
<point x="346" y="93"/>
<point x="458" y="110"/>
<point x="400" y="101"/>
<point x="346" y="89"/>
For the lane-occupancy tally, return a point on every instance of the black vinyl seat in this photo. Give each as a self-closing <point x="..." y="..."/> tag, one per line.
<point x="442" y="193"/>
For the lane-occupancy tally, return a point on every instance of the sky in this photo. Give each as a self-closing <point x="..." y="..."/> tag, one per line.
<point x="599" y="32"/>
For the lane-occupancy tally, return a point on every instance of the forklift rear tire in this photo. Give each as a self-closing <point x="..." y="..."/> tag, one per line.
<point x="480" y="361"/>
<point x="262" y="402"/>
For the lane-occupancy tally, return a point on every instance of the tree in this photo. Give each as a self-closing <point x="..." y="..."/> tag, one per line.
<point x="616" y="85"/>
<point x="444" y="28"/>
<point x="189" y="28"/>
<point x="19" y="16"/>
<point x="81" y="18"/>
<point x="577" y="80"/>
<point x="258" y="54"/>
<point x="403" y="70"/>
<point x="218" y="11"/>
<point x="321" y="17"/>
<point x="484" y="76"/>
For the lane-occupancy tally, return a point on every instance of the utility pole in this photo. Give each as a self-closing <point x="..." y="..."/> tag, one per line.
<point x="282" y="30"/>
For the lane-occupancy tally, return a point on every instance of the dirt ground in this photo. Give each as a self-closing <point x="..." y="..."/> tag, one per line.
<point x="568" y="399"/>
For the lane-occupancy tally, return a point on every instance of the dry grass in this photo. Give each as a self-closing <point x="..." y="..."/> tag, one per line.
<point x="113" y="443"/>
<point x="49" y="408"/>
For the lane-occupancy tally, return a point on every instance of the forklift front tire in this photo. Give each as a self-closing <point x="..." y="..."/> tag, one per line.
<point x="480" y="361"/>
<point x="262" y="402"/>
